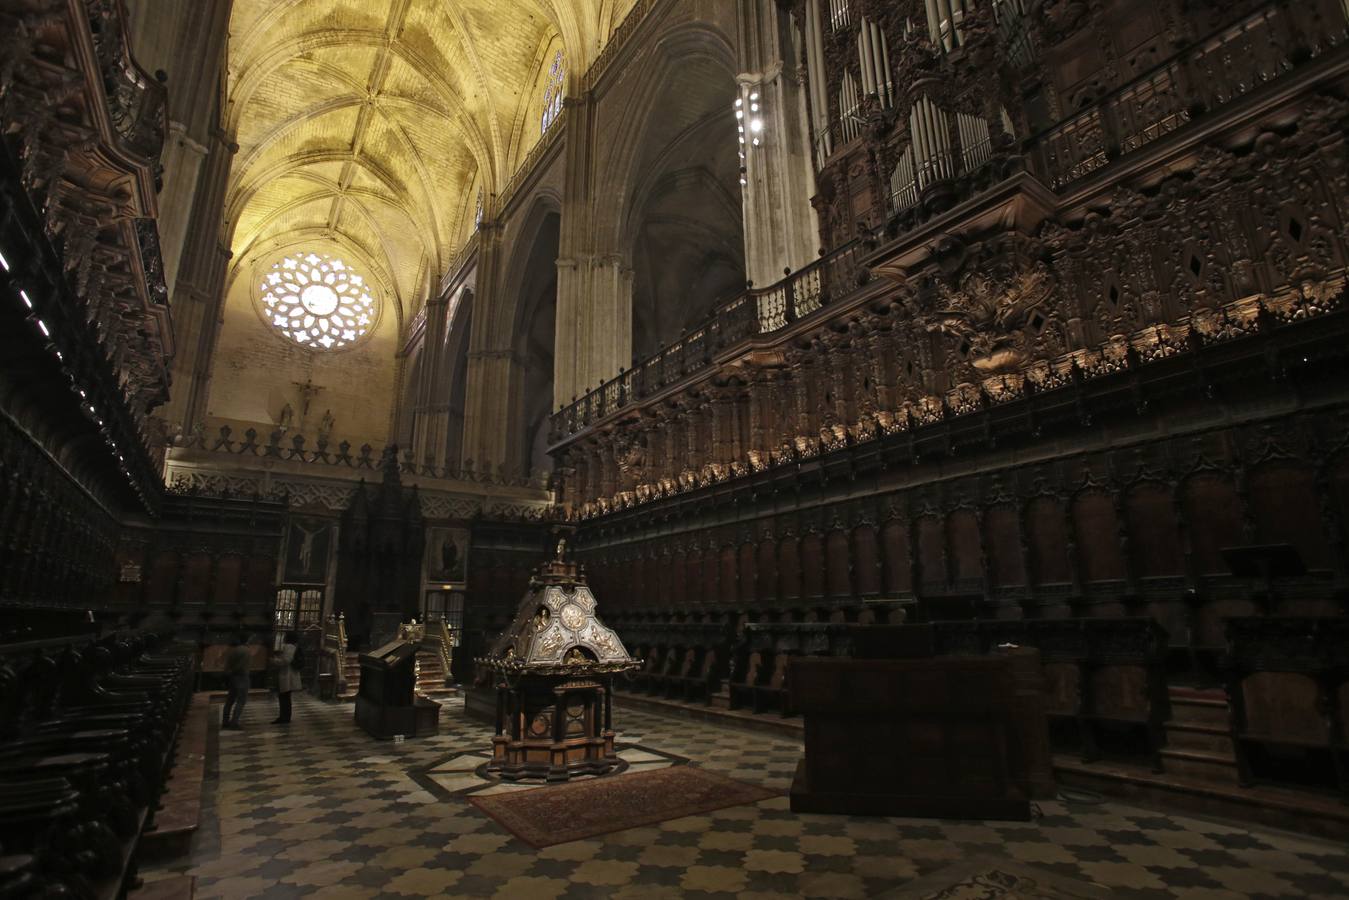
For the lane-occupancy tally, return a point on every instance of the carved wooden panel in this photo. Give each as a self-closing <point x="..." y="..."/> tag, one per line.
<point x="747" y="582"/>
<point x="1154" y="532"/>
<point x="837" y="555"/>
<point x="261" y="580"/>
<point x="159" y="589"/>
<point x="812" y="566"/>
<point x="1286" y="705"/>
<point x="768" y="579"/>
<point x="789" y="570"/>
<point x="727" y="586"/>
<point x="897" y="565"/>
<point x="1002" y="536"/>
<point x="1047" y="525"/>
<point x="1285" y="507"/>
<point x="965" y="547"/>
<point x="197" y="578"/>
<point x="866" y="561"/>
<point x="678" y="580"/>
<point x="229" y="571"/>
<point x="1096" y="532"/>
<point x="932" y="554"/>
<point x="1213" y="514"/>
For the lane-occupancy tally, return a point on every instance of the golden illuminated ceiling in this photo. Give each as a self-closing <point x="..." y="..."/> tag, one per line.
<point x="372" y="124"/>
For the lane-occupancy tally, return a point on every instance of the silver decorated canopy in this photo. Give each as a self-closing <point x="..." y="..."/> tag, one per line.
<point x="556" y="629"/>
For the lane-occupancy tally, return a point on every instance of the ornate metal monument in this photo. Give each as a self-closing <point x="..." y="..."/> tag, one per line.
<point x="554" y="667"/>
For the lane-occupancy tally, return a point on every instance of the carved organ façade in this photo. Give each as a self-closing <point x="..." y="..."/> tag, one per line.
<point x="1079" y="326"/>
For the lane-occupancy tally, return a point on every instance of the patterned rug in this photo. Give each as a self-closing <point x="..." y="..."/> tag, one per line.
<point x="570" y="812"/>
<point x="994" y="879"/>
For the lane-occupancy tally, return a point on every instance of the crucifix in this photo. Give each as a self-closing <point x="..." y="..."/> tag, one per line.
<point x="308" y="391"/>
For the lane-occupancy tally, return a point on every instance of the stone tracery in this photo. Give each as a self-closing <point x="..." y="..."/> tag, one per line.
<point x="318" y="301"/>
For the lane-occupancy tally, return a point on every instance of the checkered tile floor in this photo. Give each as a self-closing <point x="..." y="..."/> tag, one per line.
<point x="319" y="809"/>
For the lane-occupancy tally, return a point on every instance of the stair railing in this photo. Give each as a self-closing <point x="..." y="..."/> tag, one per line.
<point x="412" y="632"/>
<point x="444" y="636"/>
<point x="334" y="650"/>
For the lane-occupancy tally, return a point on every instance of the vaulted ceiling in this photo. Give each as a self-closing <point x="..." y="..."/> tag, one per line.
<point x="372" y="124"/>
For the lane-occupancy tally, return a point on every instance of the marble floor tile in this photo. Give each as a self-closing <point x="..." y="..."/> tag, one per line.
<point x="320" y="809"/>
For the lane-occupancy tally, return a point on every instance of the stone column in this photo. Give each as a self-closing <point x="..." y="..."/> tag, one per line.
<point x="495" y="374"/>
<point x="594" y="280"/>
<point x="779" y="177"/>
<point x="199" y="288"/>
<point x="428" y="417"/>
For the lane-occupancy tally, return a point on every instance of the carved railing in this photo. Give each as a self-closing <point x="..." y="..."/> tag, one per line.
<point x="152" y="262"/>
<point x="617" y="40"/>
<point x="1122" y="354"/>
<point x="461" y="258"/>
<point x="440" y="633"/>
<point x="756" y="313"/>
<point x="1227" y="65"/>
<point x="528" y="164"/>
<point x="433" y="634"/>
<point x="343" y="456"/>
<point x="136" y="101"/>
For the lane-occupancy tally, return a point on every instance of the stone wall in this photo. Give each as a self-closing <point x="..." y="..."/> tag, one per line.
<point x="258" y="371"/>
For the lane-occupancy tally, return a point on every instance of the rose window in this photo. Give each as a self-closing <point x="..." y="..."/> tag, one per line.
<point x="318" y="301"/>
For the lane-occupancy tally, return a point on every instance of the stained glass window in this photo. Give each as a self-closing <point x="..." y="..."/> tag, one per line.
<point x="552" y="93"/>
<point x="318" y="301"/>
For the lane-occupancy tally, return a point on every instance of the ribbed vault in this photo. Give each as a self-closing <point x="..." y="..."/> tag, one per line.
<point x="373" y="124"/>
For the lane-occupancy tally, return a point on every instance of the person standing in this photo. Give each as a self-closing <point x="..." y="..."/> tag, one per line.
<point x="236" y="672"/>
<point x="288" y="663"/>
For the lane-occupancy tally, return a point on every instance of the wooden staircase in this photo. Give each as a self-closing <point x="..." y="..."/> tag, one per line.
<point x="351" y="674"/>
<point x="430" y="677"/>
<point x="1199" y="774"/>
<point x="1198" y="736"/>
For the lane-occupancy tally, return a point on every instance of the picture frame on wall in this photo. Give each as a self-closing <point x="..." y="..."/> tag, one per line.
<point x="447" y="555"/>
<point x="308" y="545"/>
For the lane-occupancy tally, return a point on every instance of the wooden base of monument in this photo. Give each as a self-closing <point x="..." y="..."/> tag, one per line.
<point x="804" y="799"/>
<point x="421" y="719"/>
<point x="553" y="728"/>
<point x="547" y="761"/>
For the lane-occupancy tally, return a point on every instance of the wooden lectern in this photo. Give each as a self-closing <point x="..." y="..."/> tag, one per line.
<point x="387" y="704"/>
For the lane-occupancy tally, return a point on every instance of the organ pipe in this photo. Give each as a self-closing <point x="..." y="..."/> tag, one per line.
<point x="943" y="22"/>
<point x="819" y="97"/>
<point x="874" y="52"/>
<point x="840" y="15"/>
<point x="848" y="103"/>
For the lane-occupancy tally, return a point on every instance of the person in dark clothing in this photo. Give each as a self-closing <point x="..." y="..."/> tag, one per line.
<point x="236" y="673"/>
<point x="287" y="676"/>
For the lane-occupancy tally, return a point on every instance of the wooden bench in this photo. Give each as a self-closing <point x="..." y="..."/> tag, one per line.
<point x="1288" y="686"/>
<point x="750" y="669"/>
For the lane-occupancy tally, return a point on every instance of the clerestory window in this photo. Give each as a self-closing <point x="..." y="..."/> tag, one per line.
<point x="553" y="91"/>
